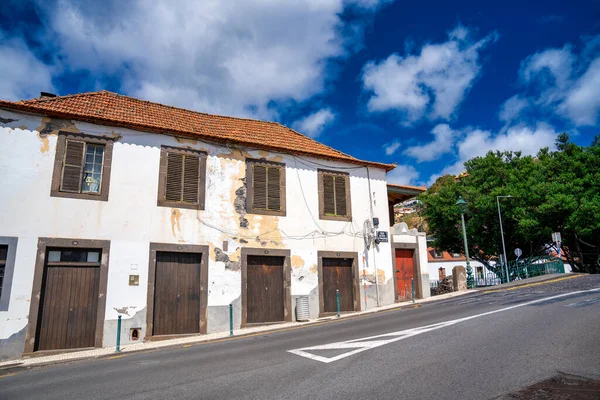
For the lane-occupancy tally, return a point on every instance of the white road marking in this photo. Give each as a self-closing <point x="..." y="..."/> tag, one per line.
<point x="359" y="345"/>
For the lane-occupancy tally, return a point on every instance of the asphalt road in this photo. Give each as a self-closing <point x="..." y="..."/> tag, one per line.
<point x="516" y="344"/>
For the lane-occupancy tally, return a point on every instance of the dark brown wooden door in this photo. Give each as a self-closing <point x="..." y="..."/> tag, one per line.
<point x="69" y="307"/>
<point x="337" y="275"/>
<point x="177" y="293"/>
<point x="265" y="294"/>
<point x="405" y="272"/>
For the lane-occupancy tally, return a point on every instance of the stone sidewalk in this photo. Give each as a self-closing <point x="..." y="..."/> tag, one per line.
<point x="189" y="340"/>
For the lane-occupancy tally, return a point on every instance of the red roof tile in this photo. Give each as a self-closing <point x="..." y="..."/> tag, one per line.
<point x="107" y="108"/>
<point x="446" y="256"/>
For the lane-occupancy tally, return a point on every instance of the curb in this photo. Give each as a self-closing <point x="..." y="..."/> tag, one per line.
<point x="23" y="364"/>
<point x="518" y="284"/>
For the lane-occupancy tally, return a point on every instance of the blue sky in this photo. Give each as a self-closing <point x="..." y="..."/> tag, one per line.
<point x="427" y="85"/>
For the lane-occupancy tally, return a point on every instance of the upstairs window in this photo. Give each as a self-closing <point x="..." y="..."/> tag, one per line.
<point x="334" y="196"/>
<point x="82" y="167"/>
<point x="182" y="177"/>
<point x="266" y="187"/>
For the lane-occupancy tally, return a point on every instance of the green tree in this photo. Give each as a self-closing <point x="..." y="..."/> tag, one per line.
<point x="556" y="191"/>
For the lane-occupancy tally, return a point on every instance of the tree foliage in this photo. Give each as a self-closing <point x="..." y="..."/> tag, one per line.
<point x="556" y="191"/>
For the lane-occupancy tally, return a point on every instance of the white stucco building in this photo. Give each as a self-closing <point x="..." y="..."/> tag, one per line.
<point x="117" y="206"/>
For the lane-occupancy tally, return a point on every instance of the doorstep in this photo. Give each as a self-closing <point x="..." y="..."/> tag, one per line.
<point x="188" y="340"/>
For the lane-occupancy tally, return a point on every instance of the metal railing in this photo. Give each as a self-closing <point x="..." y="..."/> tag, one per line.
<point x="517" y="270"/>
<point x="520" y="269"/>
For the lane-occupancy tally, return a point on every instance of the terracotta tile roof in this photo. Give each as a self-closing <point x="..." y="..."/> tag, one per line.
<point x="107" y="108"/>
<point x="446" y="256"/>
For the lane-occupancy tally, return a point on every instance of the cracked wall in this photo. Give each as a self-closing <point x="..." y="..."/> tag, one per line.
<point x="131" y="219"/>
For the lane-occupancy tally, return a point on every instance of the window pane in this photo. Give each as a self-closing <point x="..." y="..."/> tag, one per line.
<point x="92" y="168"/>
<point x="3" y="252"/>
<point x="93" y="256"/>
<point x="73" y="255"/>
<point x="53" y="256"/>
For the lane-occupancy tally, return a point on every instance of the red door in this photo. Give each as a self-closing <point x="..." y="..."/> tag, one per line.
<point x="405" y="272"/>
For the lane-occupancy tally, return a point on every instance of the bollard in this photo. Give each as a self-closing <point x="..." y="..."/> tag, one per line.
<point x="230" y="320"/>
<point x="337" y="300"/>
<point x="412" y="281"/>
<point x="119" y="334"/>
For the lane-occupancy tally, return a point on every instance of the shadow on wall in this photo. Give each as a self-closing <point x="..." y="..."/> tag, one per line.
<point x="386" y="295"/>
<point x="137" y="321"/>
<point x="218" y="317"/>
<point x="12" y="347"/>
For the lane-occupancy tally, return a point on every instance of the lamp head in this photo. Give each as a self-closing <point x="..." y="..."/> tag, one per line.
<point x="462" y="204"/>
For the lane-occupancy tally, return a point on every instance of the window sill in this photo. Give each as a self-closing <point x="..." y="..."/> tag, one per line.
<point x="336" y="217"/>
<point x="174" y="204"/>
<point x="267" y="212"/>
<point x="80" y="196"/>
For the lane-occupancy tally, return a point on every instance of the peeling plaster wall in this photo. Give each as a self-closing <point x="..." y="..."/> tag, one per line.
<point x="131" y="220"/>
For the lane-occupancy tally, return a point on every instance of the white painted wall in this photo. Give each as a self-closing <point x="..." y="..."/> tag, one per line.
<point x="130" y="218"/>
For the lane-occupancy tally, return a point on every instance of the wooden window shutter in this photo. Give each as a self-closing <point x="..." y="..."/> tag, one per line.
<point x="259" y="186"/>
<point x="340" y="196"/>
<point x="183" y="175"/>
<point x="328" y="194"/>
<point x="274" y="188"/>
<point x="174" y="184"/>
<point x="191" y="175"/>
<point x="73" y="166"/>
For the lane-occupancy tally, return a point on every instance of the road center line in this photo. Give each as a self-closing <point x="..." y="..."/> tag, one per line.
<point x="359" y="345"/>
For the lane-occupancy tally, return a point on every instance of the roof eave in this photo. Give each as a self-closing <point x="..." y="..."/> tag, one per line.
<point x="147" y="128"/>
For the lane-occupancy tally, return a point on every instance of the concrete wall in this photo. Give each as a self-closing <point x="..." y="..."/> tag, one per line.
<point x="131" y="219"/>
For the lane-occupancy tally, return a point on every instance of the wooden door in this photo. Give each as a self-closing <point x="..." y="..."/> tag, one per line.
<point x="405" y="272"/>
<point x="68" y="307"/>
<point x="265" y="293"/>
<point x="177" y="293"/>
<point x="337" y="275"/>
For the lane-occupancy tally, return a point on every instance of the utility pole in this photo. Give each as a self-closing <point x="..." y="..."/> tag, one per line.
<point x="502" y="234"/>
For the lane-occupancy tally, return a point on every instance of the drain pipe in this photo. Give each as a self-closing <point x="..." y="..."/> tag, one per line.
<point x="373" y="239"/>
<point x="376" y="276"/>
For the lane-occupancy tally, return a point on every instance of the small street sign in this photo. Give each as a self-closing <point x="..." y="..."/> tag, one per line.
<point x="382" y="236"/>
<point x="518" y="252"/>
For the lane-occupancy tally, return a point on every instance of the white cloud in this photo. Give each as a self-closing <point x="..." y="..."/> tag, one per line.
<point x="403" y="175"/>
<point x="229" y="57"/>
<point x="443" y="143"/>
<point x="582" y="101"/>
<point x="22" y="75"/>
<point x="550" y="70"/>
<point x="477" y="143"/>
<point x="564" y="83"/>
<point x="313" y="124"/>
<point x="430" y="84"/>
<point x="390" y="148"/>
<point x="512" y="108"/>
<point x="369" y="4"/>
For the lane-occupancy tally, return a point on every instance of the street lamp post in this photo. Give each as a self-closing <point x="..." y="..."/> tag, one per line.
<point x="463" y="208"/>
<point x="502" y="234"/>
